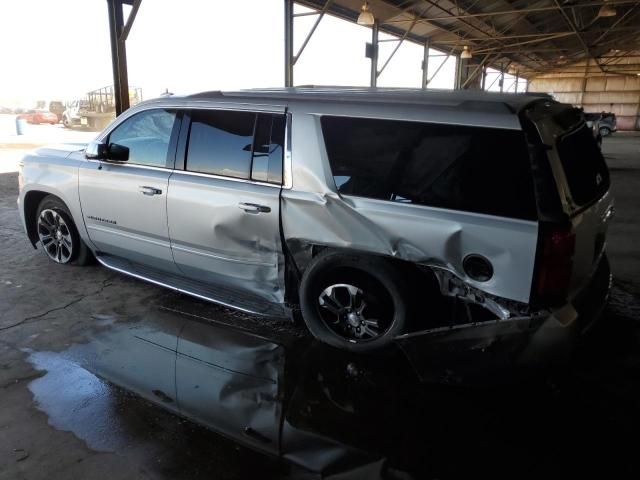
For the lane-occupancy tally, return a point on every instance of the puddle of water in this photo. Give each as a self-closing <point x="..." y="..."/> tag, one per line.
<point x="76" y="400"/>
<point x="327" y="411"/>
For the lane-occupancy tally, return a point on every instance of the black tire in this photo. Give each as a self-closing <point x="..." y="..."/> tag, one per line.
<point x="79" y="254"/>
<point x="370" y="285"/>
<point x="605" y="131"/>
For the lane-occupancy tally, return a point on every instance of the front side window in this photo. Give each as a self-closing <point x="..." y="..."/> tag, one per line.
<point x="220" y="142"/>
<point x="147" y="136"/>
<point x="474" y="169"/>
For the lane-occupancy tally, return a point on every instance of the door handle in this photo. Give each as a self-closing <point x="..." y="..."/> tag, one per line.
<point x="609" y="214"/>
<point x="254" y="208"/>
<point x="150" y="190"/>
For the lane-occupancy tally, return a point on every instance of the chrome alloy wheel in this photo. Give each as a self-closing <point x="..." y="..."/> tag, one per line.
<point x="347" y="312"/>
<point x="55" y="236"/>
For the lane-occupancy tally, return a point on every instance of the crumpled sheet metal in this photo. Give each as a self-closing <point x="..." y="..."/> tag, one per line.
<point x="416" y="234"/>
<point x="313" y="213"/>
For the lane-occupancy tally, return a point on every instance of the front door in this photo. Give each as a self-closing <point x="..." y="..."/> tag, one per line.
<point x="124" y="204"/>
<point x="224" y="202"/>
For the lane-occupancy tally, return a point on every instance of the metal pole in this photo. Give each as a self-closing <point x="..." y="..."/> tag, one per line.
<point x="288" y="43"/>
<point x="374" y="54"/>
<point x="118" y="56"/>
<point x="483" y="82"/>
<point x="501" y="77"/>
<point x="458" y="79"/>
<point x="425" y="63"/>
<point x="516" y="91"/>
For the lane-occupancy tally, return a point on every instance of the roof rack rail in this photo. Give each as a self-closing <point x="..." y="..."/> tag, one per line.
<point x="212" y="93"/>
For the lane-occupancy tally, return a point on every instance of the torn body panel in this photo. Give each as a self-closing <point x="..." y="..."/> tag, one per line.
<point x="314" y="213"/>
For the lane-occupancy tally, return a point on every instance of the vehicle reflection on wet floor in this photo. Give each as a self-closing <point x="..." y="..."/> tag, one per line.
<point x="315" y="411"/>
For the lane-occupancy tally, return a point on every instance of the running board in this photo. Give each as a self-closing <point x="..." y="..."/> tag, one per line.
<point x="220" y="295"/>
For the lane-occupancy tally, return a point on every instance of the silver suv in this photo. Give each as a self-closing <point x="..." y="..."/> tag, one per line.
<point x="378" y="214"/>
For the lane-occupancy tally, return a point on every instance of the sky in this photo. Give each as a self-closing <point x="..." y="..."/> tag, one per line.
<point x="59" y="49"/>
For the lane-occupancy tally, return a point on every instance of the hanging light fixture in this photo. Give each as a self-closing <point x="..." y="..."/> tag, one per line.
<point x="607" y="10"/>
<point x="366" y="17"/>
<point x="466" y="52"/>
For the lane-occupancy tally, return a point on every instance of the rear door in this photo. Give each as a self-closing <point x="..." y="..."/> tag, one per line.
<point x="224" y="201"/>
<point x="124" y="204"/>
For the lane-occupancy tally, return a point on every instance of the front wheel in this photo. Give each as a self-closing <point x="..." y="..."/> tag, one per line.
<point x="353" y="302"/>
<point x="605" y="131"/>
<point x="58" y="234"/>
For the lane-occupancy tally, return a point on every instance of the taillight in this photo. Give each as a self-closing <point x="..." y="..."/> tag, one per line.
<point x="554" y="264"/>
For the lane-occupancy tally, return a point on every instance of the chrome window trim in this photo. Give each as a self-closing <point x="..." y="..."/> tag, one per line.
<point x="130" y="165"/>
<point x="287" y="164"/>
<point x="192" y="105"/>
<point x="222" y="177"/>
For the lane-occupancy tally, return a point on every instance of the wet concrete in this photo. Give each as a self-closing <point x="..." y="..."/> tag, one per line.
<point x="99" y="373"/>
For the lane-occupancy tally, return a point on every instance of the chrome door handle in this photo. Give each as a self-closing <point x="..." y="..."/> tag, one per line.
<point x="254" y="208"/>
<point x="150" y="190"/>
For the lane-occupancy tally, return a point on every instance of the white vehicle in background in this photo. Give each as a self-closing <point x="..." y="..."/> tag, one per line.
<point x="71" y="115"/>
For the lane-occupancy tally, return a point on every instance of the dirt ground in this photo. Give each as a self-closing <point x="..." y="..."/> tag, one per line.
<point x="58" y="420"/>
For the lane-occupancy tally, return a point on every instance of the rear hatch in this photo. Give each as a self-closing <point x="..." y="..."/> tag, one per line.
<point x="581" y="176"/>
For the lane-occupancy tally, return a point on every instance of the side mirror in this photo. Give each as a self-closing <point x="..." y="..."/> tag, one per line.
<point x="96" y="151"/>
<point x="117" y="153"/>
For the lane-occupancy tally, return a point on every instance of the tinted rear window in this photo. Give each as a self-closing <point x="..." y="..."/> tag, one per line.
<point x="474" y="169"/>
<point x="584" y="166"/>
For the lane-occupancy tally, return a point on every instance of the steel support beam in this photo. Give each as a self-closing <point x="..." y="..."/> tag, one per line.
<point x="471" y="77"/>
<point x="425" y="64"/>
<point x="288" y="43"/>
<point x="483" y="81"/>
<point x="374" y="55"/>
<point x="119" y="54"/>
<point x="457" y="83"/>
<point x="130" y="19"/>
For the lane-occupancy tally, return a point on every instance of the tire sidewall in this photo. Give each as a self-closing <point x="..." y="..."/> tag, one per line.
<point x="52" y="203"/>
<point x="313" y="282"/>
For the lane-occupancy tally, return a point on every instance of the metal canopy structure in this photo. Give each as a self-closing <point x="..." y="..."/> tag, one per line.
<point x="529" y="37"/>
<point x="534" y="36"/>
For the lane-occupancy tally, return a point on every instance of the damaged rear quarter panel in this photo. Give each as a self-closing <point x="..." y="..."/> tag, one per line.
<point x="313" y="213"/>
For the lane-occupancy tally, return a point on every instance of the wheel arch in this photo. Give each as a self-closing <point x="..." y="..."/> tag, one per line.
<point x="31" y="202"/>
<point x="301" y="254"/>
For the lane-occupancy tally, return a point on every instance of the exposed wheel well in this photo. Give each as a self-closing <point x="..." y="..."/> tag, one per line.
<point x="420" y="279"/>
<point x="31" y="201"/>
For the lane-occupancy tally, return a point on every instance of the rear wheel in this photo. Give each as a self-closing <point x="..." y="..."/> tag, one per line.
<point x="353" y="302"/>
<point x="58" y="234"/>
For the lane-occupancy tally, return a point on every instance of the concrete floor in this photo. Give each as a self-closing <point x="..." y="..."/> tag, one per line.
<point x="57" y="420"/>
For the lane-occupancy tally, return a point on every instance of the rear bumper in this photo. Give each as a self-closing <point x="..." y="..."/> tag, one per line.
<point x="516" y="342"/>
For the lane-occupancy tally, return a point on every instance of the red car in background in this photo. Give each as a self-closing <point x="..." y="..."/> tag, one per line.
<point x="39" y="116"/>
